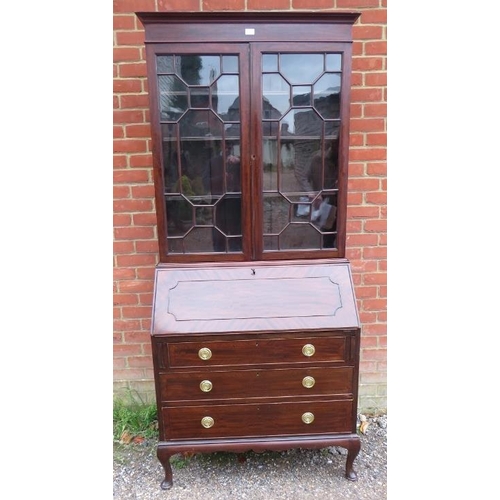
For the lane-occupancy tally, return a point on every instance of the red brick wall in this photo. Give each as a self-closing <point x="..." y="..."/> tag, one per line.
<point x="135" y="244"/>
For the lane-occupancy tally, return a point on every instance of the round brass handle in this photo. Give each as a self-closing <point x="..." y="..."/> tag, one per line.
<point x="205" y="353"/>
<point x="307" y="417"/>
<point x="206" y="385"/>
<point x="308" y="350"/>
<point x="308" y="382"/>
<point x="207" y="422"/>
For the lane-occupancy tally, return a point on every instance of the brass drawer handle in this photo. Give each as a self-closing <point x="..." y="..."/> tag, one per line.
<point x="206" y="385"/>
<point x="307" y="417"/>
<point x="205" y="353"/>
<point x="207" y="422"/>
<point x="308" y="382"/>
<point x="308" y="350"/>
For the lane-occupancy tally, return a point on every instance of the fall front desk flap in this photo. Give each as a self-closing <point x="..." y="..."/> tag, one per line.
<point x="254" y="296"/>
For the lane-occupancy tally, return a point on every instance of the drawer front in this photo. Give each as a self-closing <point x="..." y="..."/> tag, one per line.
<point x="290" y="382"/>
<point x="255" y="352"/>
<point x="247" y="420"/>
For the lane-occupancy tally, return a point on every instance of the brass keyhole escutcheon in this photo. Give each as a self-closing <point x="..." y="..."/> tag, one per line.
<point x="307" y="417"/>
<point x="205" y="353"/>
<point x="308" y="382"/>
<point x="206" y="385"/>
<point x="207" y="422"/>
<point x="308" y="350"/>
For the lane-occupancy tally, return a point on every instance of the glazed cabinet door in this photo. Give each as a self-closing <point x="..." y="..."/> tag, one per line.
<point x="300" y="125"/>
<point x="199" y="111"/>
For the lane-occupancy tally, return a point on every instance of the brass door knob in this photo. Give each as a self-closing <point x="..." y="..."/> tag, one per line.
<point x="206" y="385"/>
<point x="307" y="417"/>
<point x="308" y="382"/>
<point x="205" y="353"/>
<point x="308" y="350"/>
<point x="207" y="422"/>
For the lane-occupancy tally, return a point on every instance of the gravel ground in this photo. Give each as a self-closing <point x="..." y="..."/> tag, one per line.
<point x="289" y="475"/>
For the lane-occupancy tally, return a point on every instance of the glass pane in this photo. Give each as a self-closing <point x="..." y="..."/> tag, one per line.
<point x="173" y="98"/>
<point x="327" y="95"/>
<point x="199" y="97"/>
<point x="270" y="62"/>
<point x="199" y="240"/>
<point x="180" y="212"/>
<point x="301" y="95"/>
<point x="304" y="122"/>
<point x="300" y="237"/>
<point x="228" y="219"/>
<point x="197" y="69"/>
<point x="270" y="163"/>
<point x="276" y="95"/>
<point x="323" y="172"/>
<point x="333" y="62"/>
<point x="225" y="98"/>
<point x="229" y="64"/>
<point x="301" y="68"/>
<point x="332" y="129"/>
<point x="304" y="151"/>
<point x="175" y="245"/>
<point x="276" y="213"/>
<point x="201" y="152"/>
<point x="221" y="172"/>
<point x="199" y="124"/>
<point x="165" y="64"/>
<point x="271" y="243"/>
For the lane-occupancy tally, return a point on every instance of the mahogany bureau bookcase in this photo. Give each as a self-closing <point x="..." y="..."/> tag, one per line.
<point x="255" y="329"/>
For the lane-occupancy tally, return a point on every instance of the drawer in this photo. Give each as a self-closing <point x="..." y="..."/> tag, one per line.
<point x="257" y="351"/>
<point x="237" y="384"/>
<point x="247" y="420"/>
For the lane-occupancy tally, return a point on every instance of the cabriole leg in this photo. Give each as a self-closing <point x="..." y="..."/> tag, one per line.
<point x="352" y="452"/>
<point x="164" y="457"/>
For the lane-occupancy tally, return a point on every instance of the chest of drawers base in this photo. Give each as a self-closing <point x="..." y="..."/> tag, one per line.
<point x="260" y="359"/>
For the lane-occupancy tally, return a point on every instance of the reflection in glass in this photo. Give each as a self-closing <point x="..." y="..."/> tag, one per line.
<point x="200" y="124"/>
<point x="276" y="94"/>
<point x="165" y="64"/>
<point x="300" y="159"/>
<point x="270" y="243"/>
<point x="199" y="97"/>
<point x="199" y="70"/>
<point x="230" y="64"/>
<point x="181" y="211"/>
<point x="300" y="237"/>
<point x="332" y="129"/>
<point x="198" y="240"/>
<point x="333" y="62"/>
<point x="270" y="62"/>
<point x="327" y="96"/>
<point x="301" y="95"/>
<point x="225" y="97"/>
<point x="303" y="122"/>
<point x="201" y="131"/>
<point x="301" y="68"/>
<point x="228" y="221"/>
<point x="270" y="163"/>
<point x="173" y="97"/>
<point x="204" y="216"/>
<point x="329" y="83"/>
<point x="276" y="213"/>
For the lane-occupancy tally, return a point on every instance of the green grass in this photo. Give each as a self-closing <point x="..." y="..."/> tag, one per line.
<point x="134" y="420"/>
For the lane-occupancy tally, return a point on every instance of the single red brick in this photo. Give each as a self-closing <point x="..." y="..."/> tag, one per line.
<point x="180" y="5"/>
<point x="134" y="5"/>
<point x="268" y="4"/>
